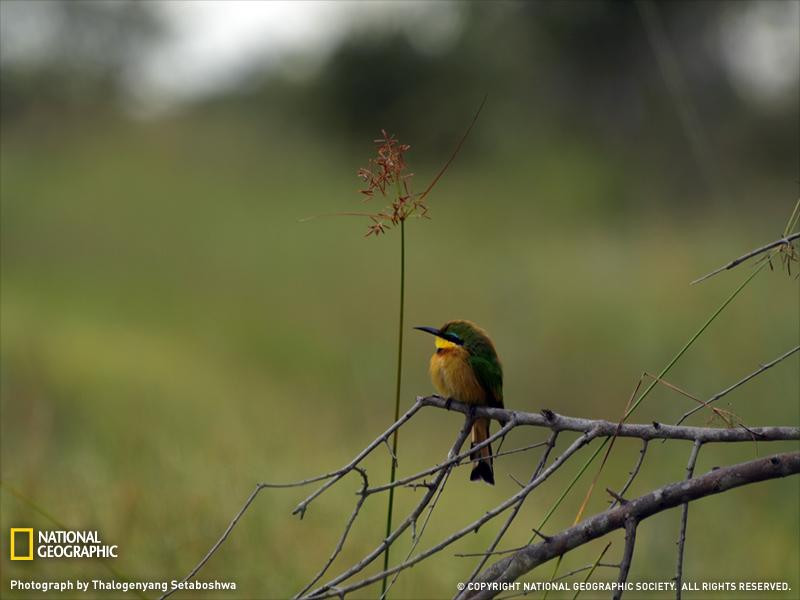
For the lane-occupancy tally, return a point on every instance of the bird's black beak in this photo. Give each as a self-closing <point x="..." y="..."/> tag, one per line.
<point x="431" y="330"/>
<point x="439" y="333"/>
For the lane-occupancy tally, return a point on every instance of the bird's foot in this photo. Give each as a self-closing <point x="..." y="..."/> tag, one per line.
<point x="448" y="403"/>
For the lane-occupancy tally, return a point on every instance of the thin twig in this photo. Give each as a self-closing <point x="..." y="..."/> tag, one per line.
<point x="362" y="498"/>
<point x="783" y="241"/>
<point x="633" y="473"/>
<point x="742" y="381"/>
<point x="219" y="542"/>
<point x="684" y="517"/>
<point x="627" y="556"/>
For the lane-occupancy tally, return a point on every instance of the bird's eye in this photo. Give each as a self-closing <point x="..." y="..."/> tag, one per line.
<point x="455" y="338"/>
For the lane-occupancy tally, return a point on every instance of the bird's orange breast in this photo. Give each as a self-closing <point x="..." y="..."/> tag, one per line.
<point x="453" y="376"/>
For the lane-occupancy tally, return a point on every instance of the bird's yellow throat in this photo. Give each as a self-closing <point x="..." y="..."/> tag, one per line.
<point x="443" y="343"/>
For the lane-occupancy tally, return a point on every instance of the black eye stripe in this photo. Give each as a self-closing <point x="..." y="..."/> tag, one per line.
<point x="452" y="337"/>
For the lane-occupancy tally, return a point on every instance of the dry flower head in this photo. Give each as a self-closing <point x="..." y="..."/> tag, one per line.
<point x="387" y="173"/>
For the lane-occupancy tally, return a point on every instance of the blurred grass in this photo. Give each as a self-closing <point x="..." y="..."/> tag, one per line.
<point x="171" y="334"/>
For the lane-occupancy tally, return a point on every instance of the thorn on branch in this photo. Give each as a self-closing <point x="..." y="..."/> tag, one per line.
<point x="546" y="538"/>
<point x="616" y="496"/>
<point x="517" y="481"/>
<point x="425" y="484"/>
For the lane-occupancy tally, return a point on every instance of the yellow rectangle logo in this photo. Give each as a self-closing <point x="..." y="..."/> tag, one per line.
<point x="22" y="530"/>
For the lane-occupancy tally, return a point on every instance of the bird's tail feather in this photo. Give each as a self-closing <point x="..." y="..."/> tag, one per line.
<point x="482" y="461"/>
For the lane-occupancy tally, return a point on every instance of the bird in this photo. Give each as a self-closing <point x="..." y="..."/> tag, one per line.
<point x="465" y="367"/>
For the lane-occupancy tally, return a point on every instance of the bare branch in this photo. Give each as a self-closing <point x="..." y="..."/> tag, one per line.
<point x="714" y="482"/>
<point x="557" y="422"/>
<point x="474" y="526"/>
<point x="684" y="519"/>
<point x="510" y="419"/>
<point x="784" y="241"/>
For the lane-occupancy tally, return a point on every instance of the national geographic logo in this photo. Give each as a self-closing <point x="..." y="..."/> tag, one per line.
<point x="58" y="544"/>
<point x="21" y="543"/>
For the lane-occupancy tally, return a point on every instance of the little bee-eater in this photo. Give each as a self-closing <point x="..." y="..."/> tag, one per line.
<point x="465" y="367"/>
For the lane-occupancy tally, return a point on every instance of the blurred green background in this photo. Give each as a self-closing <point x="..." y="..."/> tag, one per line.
<point x="173" y="334"/>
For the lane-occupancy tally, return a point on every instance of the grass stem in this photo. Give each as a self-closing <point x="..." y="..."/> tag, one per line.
<point x="396" y="396"/>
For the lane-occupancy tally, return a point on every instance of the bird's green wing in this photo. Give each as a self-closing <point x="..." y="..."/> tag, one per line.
<point x="490" y="376"/>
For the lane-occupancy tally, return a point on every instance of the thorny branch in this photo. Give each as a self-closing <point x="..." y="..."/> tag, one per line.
<point x="555" y="423"/>
<point x="714" y="482"/>
<point x="602" y="428"/>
